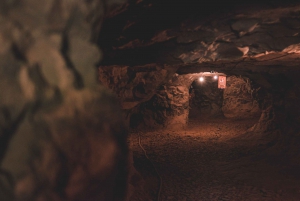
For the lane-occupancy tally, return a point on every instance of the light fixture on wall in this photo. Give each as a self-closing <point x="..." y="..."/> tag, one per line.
<point x="213" y="75"/>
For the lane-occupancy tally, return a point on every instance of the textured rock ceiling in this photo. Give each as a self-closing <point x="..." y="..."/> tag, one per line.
<point x="253" y="36"/>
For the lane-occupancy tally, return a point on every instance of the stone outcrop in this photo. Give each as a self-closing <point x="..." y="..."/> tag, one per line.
<point x="65" y="150"/>
<point x="278" y="103"/>
<point x="169" y="106"/>
<point x="239" y="99"/>
<point x="266" y="122"/>
<point x="62" y="136"/>
<point x="134" y="85"/>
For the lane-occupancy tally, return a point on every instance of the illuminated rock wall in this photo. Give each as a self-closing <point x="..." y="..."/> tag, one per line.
<point x="169" y="106"/>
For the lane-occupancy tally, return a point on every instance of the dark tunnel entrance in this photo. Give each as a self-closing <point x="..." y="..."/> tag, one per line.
<point x="205" y="98"/>
<point x="239" y="100"/>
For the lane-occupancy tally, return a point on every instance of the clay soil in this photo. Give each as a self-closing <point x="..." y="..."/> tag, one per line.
<point x="212" y="160"/>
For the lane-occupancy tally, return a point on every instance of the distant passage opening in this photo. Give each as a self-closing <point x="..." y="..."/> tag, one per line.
<point x="237" y="101"/>
<point x="205" y="98"/>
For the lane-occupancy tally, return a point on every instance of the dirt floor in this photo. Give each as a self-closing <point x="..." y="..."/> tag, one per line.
<point x="211" y="160"/>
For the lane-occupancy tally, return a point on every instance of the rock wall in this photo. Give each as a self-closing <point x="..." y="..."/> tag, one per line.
<point x="278" y="99"/>
<point x="134" y="85"/>
<point x="279" y="124"/>
<point x="61" y="135"/>
<point x="218" y="31"/>
<point x="168" y="108"/>
<point x="239" y="99"/>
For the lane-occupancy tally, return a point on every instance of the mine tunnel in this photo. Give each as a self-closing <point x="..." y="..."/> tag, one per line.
<point x="149" y="100"/>
<point x="206" y="97"/>
<point x="190" y="138"/>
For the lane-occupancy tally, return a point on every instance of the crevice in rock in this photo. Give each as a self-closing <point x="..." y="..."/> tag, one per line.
<point x="11" y="128"/>
<point x="78" y="81"/>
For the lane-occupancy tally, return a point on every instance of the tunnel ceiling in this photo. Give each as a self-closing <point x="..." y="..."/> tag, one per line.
<point x="229" y="37"/>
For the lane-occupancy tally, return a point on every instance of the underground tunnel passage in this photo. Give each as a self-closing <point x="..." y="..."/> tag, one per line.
<point x="205" y="98"/>
<point x="148" y="128"/>
<point x="190" y="140"/>
<point x="203" y="159"/>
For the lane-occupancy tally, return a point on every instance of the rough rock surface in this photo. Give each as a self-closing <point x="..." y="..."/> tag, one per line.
<point x="239" y="99"/>
<point x="168" y="108"/>
<point x="69" y="151"/>
<point x="278" y="101"/>
<point x="61" y="135"/>
<point x="218" y="31"/>
<point x="134" y="85"/>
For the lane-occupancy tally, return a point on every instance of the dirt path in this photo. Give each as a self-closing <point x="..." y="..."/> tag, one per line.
<point x="209" y="162"/>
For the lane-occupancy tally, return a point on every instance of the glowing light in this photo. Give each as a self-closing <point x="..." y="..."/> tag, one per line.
<point x="201" y="79"/>
<point x="215" y="77"/>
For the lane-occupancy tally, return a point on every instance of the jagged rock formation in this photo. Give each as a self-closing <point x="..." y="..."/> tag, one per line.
<point x="134" y="85"/>
<point x="62" y="136"/>
<point x="239" y="99"/>
<point x="168" y="108"/>
<point x="219" y="34"/>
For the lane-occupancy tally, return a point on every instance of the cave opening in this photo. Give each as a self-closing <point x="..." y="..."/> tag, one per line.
<point x="205" y="98"/>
